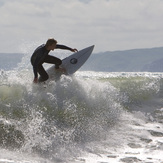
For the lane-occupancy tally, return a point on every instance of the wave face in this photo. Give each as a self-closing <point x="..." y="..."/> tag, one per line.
<point x="63" y="119"/>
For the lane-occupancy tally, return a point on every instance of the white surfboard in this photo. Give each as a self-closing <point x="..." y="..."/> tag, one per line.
<point x="72" y="63"/>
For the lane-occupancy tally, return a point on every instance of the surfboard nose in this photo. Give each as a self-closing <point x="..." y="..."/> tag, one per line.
<point x="91" y="48"/>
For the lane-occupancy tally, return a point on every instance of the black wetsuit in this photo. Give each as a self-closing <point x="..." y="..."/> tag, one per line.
<point x="40" y="56"/>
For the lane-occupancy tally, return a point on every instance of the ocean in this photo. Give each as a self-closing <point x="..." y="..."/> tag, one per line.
<point x="90" y="117"/>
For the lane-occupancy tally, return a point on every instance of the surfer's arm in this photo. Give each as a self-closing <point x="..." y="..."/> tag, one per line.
<point x="65" y="48"/>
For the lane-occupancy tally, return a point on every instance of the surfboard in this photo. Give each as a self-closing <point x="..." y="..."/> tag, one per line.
<point x="71" y="63"/>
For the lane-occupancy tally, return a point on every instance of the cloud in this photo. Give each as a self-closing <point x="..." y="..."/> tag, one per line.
<point x="109" y="24"/>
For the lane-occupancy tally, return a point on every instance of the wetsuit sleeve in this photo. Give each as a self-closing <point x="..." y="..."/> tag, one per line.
<point x="63" y="47"/>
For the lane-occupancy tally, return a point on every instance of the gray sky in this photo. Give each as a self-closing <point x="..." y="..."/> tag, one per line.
<point x="109" y="24"/>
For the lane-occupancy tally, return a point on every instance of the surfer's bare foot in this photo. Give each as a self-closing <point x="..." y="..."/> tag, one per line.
<point x="35" y="80"/>
<point x="63" y="70"/>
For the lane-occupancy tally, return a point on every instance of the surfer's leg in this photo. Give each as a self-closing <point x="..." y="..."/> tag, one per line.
<point x="53" y="60"/>
<point x="43" y="74"/>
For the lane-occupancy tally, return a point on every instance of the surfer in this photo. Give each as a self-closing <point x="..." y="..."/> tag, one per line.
<point x="41" y="55"/>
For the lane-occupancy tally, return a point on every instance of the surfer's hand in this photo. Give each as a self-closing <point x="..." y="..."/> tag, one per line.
<point x="35" y="80"/>
<point x="74" y="50"/>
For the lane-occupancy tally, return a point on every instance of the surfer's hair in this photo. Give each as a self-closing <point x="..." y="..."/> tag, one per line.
<point x="50" y="42"/>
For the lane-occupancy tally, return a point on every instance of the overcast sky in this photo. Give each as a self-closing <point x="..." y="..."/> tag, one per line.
<point x="109" y="24"/>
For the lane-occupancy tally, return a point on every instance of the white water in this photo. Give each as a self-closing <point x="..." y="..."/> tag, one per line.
<point x="88" y="118"/>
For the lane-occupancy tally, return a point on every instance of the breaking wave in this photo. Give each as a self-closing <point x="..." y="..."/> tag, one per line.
<point x="57" y="118"/>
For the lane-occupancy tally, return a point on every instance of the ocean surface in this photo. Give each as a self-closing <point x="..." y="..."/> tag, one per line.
<point x="90" y="117"/>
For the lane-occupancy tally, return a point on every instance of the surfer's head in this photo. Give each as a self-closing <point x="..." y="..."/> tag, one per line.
<point x="50" y="44"/>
